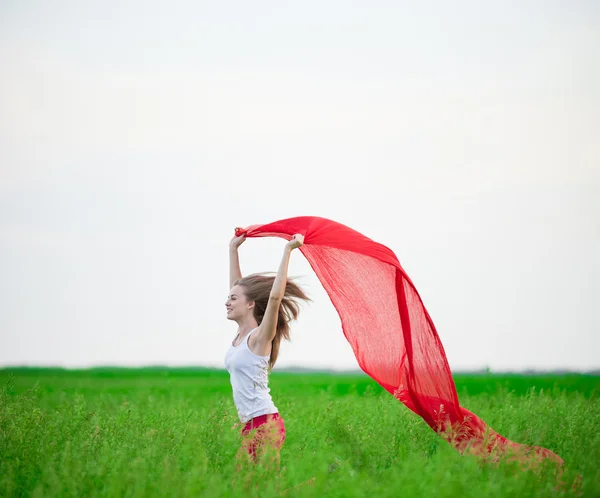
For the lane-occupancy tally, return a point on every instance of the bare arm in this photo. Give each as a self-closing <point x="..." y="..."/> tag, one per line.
<point x="234" y="261"/>
<point x="268" y="326"/>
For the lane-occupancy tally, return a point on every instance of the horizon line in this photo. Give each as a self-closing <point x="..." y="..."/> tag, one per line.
<point x="296" y="369"/>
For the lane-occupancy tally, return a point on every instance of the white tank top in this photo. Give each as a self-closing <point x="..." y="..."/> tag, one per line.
<point x="250" y="381"/>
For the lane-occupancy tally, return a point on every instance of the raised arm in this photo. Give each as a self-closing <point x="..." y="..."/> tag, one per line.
<point x="268" y="326"/>
<point x="234" y="261"/>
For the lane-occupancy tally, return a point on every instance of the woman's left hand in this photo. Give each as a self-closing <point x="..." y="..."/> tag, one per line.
<point x="297" y="241"/>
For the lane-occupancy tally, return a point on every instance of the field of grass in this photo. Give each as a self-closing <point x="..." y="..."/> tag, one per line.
<point x="169" y="432"/>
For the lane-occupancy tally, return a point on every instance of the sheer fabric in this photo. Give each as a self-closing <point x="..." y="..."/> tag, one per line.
<point x="391" y="333"/>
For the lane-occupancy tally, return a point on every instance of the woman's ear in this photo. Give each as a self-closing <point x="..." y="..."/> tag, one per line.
<point x="250" y="305"/>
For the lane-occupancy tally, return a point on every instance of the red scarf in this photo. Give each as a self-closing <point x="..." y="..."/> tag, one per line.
<point x="390" y="331"/>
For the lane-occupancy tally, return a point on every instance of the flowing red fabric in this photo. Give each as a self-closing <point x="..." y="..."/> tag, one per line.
<point x="390" y="331"/>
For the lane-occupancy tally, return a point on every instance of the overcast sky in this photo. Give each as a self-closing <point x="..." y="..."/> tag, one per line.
<point x="134" y="136"/>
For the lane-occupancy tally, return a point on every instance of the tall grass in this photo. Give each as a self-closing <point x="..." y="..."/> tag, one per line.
<point x="161" y="432"/>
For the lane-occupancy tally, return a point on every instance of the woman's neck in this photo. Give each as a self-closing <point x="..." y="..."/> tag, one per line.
<point x="246" y="326"/>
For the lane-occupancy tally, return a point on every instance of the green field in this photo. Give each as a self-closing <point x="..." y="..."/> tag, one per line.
<point x="169" y="432"/>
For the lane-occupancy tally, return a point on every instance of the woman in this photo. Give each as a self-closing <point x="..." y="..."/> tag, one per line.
<point x="262" y="306"/>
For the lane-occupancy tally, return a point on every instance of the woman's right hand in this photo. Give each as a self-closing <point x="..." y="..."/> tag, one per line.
<point x="237" y="241"/>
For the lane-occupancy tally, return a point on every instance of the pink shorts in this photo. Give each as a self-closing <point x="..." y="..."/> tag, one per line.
<point x="263" y="431"/>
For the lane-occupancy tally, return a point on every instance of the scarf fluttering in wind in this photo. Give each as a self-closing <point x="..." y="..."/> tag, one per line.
<point x="390" y="331"/>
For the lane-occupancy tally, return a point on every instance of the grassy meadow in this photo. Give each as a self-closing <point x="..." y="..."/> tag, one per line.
<point x="170" y="432"/>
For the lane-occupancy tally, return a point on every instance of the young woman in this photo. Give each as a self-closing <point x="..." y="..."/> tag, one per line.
<point x="262" y="306"/>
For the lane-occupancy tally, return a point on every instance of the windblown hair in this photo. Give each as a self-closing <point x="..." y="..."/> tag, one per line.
<point x="257" y="288"/>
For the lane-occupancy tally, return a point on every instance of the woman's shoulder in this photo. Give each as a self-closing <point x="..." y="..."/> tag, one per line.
<point x="255" y="345"/>
<point x="252" y="336"/>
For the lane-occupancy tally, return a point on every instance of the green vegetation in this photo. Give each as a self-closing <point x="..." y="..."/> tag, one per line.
<point x="169" y="432"/>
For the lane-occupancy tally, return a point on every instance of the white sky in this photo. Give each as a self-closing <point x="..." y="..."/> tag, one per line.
<point x="135" y="135"/>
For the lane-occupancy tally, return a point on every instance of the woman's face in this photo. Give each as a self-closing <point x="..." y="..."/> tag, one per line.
<point x="237" y="305"/>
